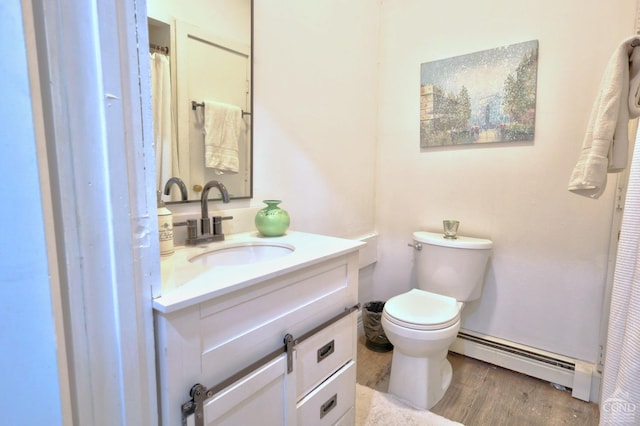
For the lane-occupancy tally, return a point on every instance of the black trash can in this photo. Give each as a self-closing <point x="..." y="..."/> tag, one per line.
<point x="376" y="340"/>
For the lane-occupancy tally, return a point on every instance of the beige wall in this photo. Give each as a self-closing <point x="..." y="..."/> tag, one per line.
<point x="548" y="271"/>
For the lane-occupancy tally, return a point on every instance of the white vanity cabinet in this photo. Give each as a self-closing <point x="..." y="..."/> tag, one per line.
<point x="232" y="343"/>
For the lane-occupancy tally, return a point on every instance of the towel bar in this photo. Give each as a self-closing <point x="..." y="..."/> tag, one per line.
<point x="195" y="105"/>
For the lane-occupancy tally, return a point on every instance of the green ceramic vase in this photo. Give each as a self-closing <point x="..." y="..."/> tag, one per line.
<point x="272" y="221"/>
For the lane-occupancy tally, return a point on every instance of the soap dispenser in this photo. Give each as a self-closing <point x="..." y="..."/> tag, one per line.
<point x="165" y="227"/>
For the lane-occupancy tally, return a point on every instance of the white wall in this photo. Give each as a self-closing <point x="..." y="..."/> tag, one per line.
<point x="546" y="279"/>
<point x="315" y="116"/>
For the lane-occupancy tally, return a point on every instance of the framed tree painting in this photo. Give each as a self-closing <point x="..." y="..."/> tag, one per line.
<point x="481" y="97"/>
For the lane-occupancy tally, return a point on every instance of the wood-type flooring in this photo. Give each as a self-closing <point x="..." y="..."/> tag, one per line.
<point x="482" y="394"/>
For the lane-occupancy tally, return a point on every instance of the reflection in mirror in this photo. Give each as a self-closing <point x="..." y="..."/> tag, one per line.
<point x="202" y="96"/>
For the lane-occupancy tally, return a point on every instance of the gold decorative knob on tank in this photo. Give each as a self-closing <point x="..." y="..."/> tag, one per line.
<point x="197" y="188"/>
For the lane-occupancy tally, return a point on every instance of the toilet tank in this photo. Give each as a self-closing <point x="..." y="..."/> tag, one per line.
<point x="451" y="267"/>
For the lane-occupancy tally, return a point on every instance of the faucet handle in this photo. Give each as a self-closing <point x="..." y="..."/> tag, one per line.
<point x="192" y="229"/>
<point x="217" y="223"/>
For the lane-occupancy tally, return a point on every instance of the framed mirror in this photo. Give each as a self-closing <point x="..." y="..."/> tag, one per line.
<point x="202" y="86"/>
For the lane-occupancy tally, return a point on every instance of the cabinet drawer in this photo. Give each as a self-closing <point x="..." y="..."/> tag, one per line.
<point x="329" y="402"/>
<point x="322" y="354"/>
<point x="349" y="419"/>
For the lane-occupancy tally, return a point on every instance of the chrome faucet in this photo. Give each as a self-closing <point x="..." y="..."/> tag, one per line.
<point x="181" y="185"/>
<point x="207" y="235"/>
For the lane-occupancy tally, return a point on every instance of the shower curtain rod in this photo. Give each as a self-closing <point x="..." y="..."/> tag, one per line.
<point x="158" y="48"/>
<point x="195" y="105"/>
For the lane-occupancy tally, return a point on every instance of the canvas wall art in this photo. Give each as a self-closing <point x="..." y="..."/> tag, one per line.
<point x="481" y="97"/>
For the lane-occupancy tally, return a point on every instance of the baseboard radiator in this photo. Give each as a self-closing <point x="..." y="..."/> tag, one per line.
<point x="581" y="377"/>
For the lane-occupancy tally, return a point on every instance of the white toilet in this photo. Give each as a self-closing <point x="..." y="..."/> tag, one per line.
<point x="422" y="323"/>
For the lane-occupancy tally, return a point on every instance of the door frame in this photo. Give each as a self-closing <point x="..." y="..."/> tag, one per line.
<point x="96" y="156"/>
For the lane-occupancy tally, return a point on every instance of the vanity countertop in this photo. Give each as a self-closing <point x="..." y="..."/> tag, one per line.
<point x="185" y="283"/>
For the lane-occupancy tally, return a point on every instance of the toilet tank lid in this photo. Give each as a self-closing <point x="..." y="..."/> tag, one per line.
<point x="460" y="242"/>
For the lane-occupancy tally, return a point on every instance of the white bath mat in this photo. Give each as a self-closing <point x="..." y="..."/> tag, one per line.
<point x="375" y="408"/>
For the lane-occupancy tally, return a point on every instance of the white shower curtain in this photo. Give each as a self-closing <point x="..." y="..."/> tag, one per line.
<point x="166" y="149"/>
<point x="620" y="399"/>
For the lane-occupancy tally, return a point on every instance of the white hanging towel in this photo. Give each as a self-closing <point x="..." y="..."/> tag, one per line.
<point x="606" y="142"/>
<point x="222" y="125"/>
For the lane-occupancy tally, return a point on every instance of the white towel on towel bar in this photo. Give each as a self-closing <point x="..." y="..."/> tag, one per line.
<point x="222" y="126"/>
<point x="606" y="142"/>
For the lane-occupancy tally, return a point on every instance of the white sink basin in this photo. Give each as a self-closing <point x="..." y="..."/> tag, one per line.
<point x="235" y="254"/>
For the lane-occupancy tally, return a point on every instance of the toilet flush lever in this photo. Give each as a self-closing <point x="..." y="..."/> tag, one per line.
<point x="416" y="246"/>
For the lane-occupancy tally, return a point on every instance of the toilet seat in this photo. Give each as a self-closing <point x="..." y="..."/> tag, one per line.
<point x="422" y="310"/>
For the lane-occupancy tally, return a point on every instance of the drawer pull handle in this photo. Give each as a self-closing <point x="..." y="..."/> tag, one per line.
<point x="329" y="405"/>
<point x="326" y="350"/>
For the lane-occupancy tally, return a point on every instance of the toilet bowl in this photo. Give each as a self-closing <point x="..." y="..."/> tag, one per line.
<point x="422" y="323"/>
<point x="421" y="338"/>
